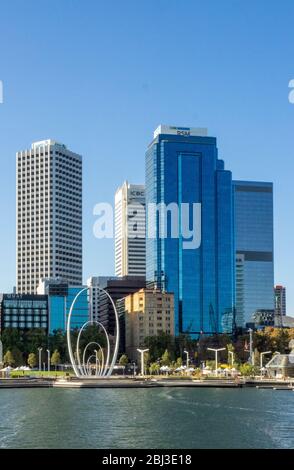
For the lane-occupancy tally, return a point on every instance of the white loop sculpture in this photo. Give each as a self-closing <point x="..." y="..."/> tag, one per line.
<point x="103" y="369"/>
<point x="90" y="322"/>
<point x="84" y="357"/>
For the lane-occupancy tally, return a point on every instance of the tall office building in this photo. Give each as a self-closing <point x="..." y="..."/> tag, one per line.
<point x="182" y="167"/>
<point x="280" y="300"/>
<point x="253" y="202"/>
<point x="130" y="245"/>
<point x="49" y="215"/>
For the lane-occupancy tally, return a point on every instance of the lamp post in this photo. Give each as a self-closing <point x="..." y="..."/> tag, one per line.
<point x="251" y="357"/>
<point x="216" y="353"/>
<point x="1" y="354"/>
<point x="261" y="358"/>
<point x="232" y="357"/>
<point x="96" y="353"/>
<point x="187" y="353"/>
<point x="48" y="352"/>
<point x="40" y="359"/>
<point x="142" y="351"/>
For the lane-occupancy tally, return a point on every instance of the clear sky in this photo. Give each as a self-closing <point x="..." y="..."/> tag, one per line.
<point x="100" y="76"/>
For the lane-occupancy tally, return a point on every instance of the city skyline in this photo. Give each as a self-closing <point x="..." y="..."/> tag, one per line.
<point x="249" y="143"/>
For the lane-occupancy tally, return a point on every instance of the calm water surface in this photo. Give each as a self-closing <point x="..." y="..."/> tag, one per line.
<point x="140" y="418"/>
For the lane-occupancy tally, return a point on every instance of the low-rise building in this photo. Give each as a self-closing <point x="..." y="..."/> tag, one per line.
<point x="24" y="311"/>
<point x="148" y="312"/>
<point x="263" y="318"/>
<point x="282" y="365"/>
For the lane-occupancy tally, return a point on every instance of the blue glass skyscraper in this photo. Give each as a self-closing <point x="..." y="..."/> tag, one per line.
<point x="254" y="244"/>
<point x="182" y="167"/>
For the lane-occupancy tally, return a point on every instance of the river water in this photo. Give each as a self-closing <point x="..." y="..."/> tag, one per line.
<point x="146" y="418"/>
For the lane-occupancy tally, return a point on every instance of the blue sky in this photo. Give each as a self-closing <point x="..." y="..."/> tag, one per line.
<point x="100" y="76"/>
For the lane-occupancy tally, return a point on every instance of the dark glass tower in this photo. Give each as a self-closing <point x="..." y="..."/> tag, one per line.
<point x="182" y="166"/>
<point x="254" y="243"/>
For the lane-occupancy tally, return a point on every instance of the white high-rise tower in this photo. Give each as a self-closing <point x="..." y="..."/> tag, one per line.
<point x="49" y="215"/>
<point x="130" y="242"/>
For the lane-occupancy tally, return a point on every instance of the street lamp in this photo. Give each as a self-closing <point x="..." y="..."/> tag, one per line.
<point x="1" y="354"/>
<point x="96" y="357"/>
<point x="216" y="352"/>
<point x="261" y="358"/>
<point x="48" y="360"/>
<point x="251" y="358"/>
<point x="40" y="358"/>
<point x="232" y="357"/>
<point x="142" y="351"/>
<point x="187" y="352"/>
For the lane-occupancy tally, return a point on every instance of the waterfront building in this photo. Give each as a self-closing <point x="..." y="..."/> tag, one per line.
<point x="148" y="312"/>
<point x="95" y="283"/>
<point x="280" y="301"/>
<point x="253" y="206"/>
<point x="49" y="215"/>
<point x="183" y="168"/>
<point x="60" y="298"/>
<point x="23" y="311"/>
<point x="130" y="242"/>
<point x="282" y="365"/>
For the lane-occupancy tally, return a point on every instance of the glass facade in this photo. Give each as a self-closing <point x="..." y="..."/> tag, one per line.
<point x="253" y="203"/>
<point x="60" y="304"/>
<point x="186" y="170"/>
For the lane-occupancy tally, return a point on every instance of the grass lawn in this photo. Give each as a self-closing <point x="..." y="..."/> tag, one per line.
<point x="36" y="373"/>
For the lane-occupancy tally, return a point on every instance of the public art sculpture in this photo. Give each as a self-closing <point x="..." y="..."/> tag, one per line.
<point x="103" y="366"/>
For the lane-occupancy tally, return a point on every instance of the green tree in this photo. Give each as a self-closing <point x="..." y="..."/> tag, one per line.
<point x="58" y="341"/>
<point x="12" y="338"/>
<point x="8" y="359"/>
<point x="123" y="361"/>
<point x="18" y="357"/>
<point x="158" y="344"/>
<point x="165" y="358"/>
<point x="32" y="360"/>
<point x="247" y="369"/>
<point x="55" y="358"/>
<point x="179" y="362"/>
<point x="154" y="368"/>
<point x="33" y="339"/>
